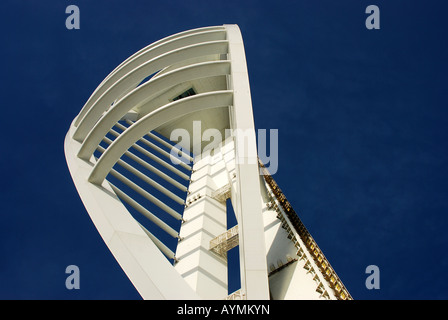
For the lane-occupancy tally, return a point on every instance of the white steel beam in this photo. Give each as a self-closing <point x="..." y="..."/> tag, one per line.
<point x="145" y="212"/>
<point x="150" y="167"/>
<point x="146" y="194"/>
<point x="143" y="93"/>
<point x="147" y="179"/>
<point x="134" y="77"/>
<point x="152" y="120"/>
<point x="145" y="265"/>
<point x="150" y="52"/>
<point x="254" y="275"/>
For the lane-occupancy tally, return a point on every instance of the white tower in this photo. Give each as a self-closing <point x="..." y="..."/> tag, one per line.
<point x="160" y="146"/>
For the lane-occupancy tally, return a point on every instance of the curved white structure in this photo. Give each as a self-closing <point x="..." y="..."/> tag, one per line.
<point x="165" y="221"/>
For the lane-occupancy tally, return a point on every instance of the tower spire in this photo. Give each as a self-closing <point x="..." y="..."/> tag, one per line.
<point x="161" y="144"/>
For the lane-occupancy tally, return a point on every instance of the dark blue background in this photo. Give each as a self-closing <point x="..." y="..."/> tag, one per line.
<point x="362" y="119"/>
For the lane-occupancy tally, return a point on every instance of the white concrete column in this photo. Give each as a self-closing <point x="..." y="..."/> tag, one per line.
<point x="205" y="219"/>
<point x="254" y="275"/>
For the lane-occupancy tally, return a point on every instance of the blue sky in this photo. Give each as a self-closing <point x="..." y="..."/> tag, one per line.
<point x="362" y="119"/>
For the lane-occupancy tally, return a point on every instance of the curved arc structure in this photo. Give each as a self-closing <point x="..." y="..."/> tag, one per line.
<point x="138" y="255"/>
<point x="252" y="255"/>
<point x="143" y="93"/>
<point x="168" y="46"/>
<point x="127" y="65"/>
<point x="160" y="217"/>
<point x="157" y="43"/>
<point x="151" y="121"/>
<point x="135" y="76"/>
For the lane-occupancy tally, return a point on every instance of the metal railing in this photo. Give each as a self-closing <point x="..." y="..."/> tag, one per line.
<point x="224" y="242"/>
<point x="328" y="272"/>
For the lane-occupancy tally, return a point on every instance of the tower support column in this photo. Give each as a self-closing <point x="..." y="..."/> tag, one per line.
<point x="205" y="219"/>
<point x="254" y="275"/>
